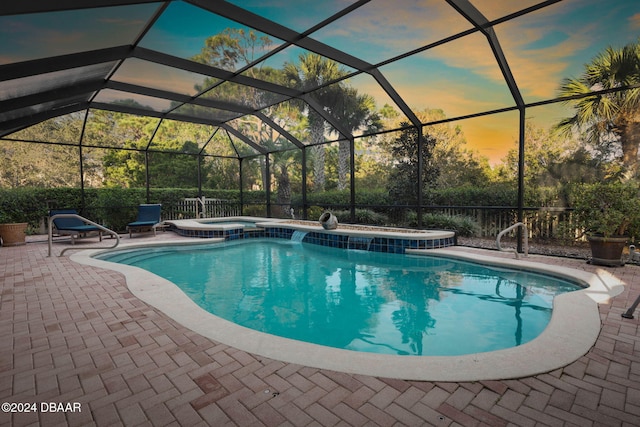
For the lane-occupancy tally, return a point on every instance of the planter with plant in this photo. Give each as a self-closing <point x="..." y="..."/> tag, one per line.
<point x="12" y="232"/>
<point x="609" y="214"/>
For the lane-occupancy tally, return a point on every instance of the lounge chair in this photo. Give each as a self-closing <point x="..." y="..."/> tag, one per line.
<point x="148" y="219"/>
<point x="71" y="226"/>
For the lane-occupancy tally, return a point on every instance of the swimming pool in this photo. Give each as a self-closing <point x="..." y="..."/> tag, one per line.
<point x="358" y="300"/>
<point x="572" y="331"/>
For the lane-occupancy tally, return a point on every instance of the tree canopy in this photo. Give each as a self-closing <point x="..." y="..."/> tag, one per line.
<point x="609" y="120"/>
<point x="600" y="141"/>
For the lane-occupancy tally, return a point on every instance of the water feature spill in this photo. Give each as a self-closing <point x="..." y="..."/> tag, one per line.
<point x="362" y="243"/>
<point x="298" y="236"/>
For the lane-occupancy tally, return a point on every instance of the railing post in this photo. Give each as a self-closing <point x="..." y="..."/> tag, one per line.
<point x="629" y="313"/>
<point x="105" y="229"/>
<point x="526" y="238"/>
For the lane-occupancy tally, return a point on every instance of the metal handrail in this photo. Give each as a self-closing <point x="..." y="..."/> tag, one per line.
<point x="525" y="239"/>
<point x="629" y="313"/>
<point x="88" y="221"/>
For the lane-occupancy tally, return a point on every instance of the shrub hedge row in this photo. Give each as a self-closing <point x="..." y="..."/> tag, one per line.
<point x="117" y="206"/>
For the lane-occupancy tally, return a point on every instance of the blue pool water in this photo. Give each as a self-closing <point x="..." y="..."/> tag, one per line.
<point x="357" y="300"/>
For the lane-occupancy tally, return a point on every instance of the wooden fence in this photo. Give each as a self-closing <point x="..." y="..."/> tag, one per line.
<point x="542" y="223"/>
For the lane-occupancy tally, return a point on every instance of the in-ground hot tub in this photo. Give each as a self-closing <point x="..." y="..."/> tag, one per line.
<point x="345" y="236"/>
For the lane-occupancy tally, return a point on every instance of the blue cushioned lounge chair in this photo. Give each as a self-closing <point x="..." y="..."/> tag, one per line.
<point x="147" y="220"/>
<point x="74" y="227"/>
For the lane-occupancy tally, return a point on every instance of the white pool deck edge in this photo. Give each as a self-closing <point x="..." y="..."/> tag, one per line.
<point x="227" y="223"/>
<point x="572" y="331"/>
<point x="222" y="223"/>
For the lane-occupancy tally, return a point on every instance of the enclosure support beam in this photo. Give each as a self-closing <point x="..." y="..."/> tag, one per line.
<point x="240" y="183"/>
<point x="267" y="183"/>
<point x="521" y="148"/>
<point x="352" y="180"/>
<point x="200" y="176"/>
<point x="420" y="169"/>
<point x="81" y="158"/>
<point x="474" y="16"/>
<point x="305" y="212"/>
<point x="82" y="198"/>
<point x="147" y="175"/>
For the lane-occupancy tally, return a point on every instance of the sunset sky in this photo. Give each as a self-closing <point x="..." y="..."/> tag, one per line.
<point x="460" y="77"/>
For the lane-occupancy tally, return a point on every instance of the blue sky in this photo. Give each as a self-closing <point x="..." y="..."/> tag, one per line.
<point x="461" y="77"/>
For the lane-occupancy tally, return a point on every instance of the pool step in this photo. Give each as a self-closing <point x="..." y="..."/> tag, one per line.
<point x="129" y="259"/>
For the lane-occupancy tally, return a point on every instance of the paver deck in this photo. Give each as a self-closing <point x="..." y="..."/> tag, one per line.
<point x="74" y="334"/>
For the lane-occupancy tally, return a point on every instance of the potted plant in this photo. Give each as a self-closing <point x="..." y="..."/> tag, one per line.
<point x="12" y="232"/>
<point x="609" y="214"/>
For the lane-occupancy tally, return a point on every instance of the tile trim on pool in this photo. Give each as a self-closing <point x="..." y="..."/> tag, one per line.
<point x="393" y="242"/>
<point x="572" y="331"/>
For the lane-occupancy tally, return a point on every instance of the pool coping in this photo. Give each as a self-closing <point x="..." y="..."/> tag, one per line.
<point x="226" y="223"/>
<point x="364" y="231"/>
<point x="345" y="236"/>
<point x="217" y="223"/>
<point x="572" y="331"/>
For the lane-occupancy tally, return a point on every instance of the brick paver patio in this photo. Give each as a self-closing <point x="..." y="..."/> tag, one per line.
<point x="74" y="334"/>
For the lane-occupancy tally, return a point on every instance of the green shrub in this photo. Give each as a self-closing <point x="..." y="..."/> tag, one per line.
<point x="314" y="212"/>
<point x="113" y="207"/>
<point x="21" y="205"/>
<point x="491" y="195"/>
<point x="326" y="199"/>
<point x="607" y="208"/>
<point x="463" y="225"/>
<point x="363" y="216"/>
<point x="255" y="210"/>
<point x="343" y="198"/>
<point x="247" y="197"/>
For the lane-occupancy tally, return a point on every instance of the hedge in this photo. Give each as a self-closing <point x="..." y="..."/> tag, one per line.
<point x="117" y="206"/>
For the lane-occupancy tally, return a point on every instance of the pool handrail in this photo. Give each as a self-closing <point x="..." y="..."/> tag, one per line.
<point x="88" y="221"/>
<point x="525" y="239"/>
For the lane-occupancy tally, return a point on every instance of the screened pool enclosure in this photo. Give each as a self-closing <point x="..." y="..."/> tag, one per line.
<point x="293" y="98"/>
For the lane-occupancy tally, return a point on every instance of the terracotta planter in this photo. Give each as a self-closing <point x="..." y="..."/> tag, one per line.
<point x="328" y="221"/>
<point x="13" y="234"/>
<point x="607" y="250"/>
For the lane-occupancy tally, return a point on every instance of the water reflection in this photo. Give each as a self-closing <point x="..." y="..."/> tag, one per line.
<point x="364" y="301"/>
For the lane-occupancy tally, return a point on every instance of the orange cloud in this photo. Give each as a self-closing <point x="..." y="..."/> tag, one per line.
<point x="537" y="71"/>
<point x="490" y="136"/>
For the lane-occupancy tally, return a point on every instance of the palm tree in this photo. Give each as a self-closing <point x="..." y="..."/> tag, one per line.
<point x="610" y="119"/>
<point x="353" y="111"/>
<point x="312" y="71"/>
